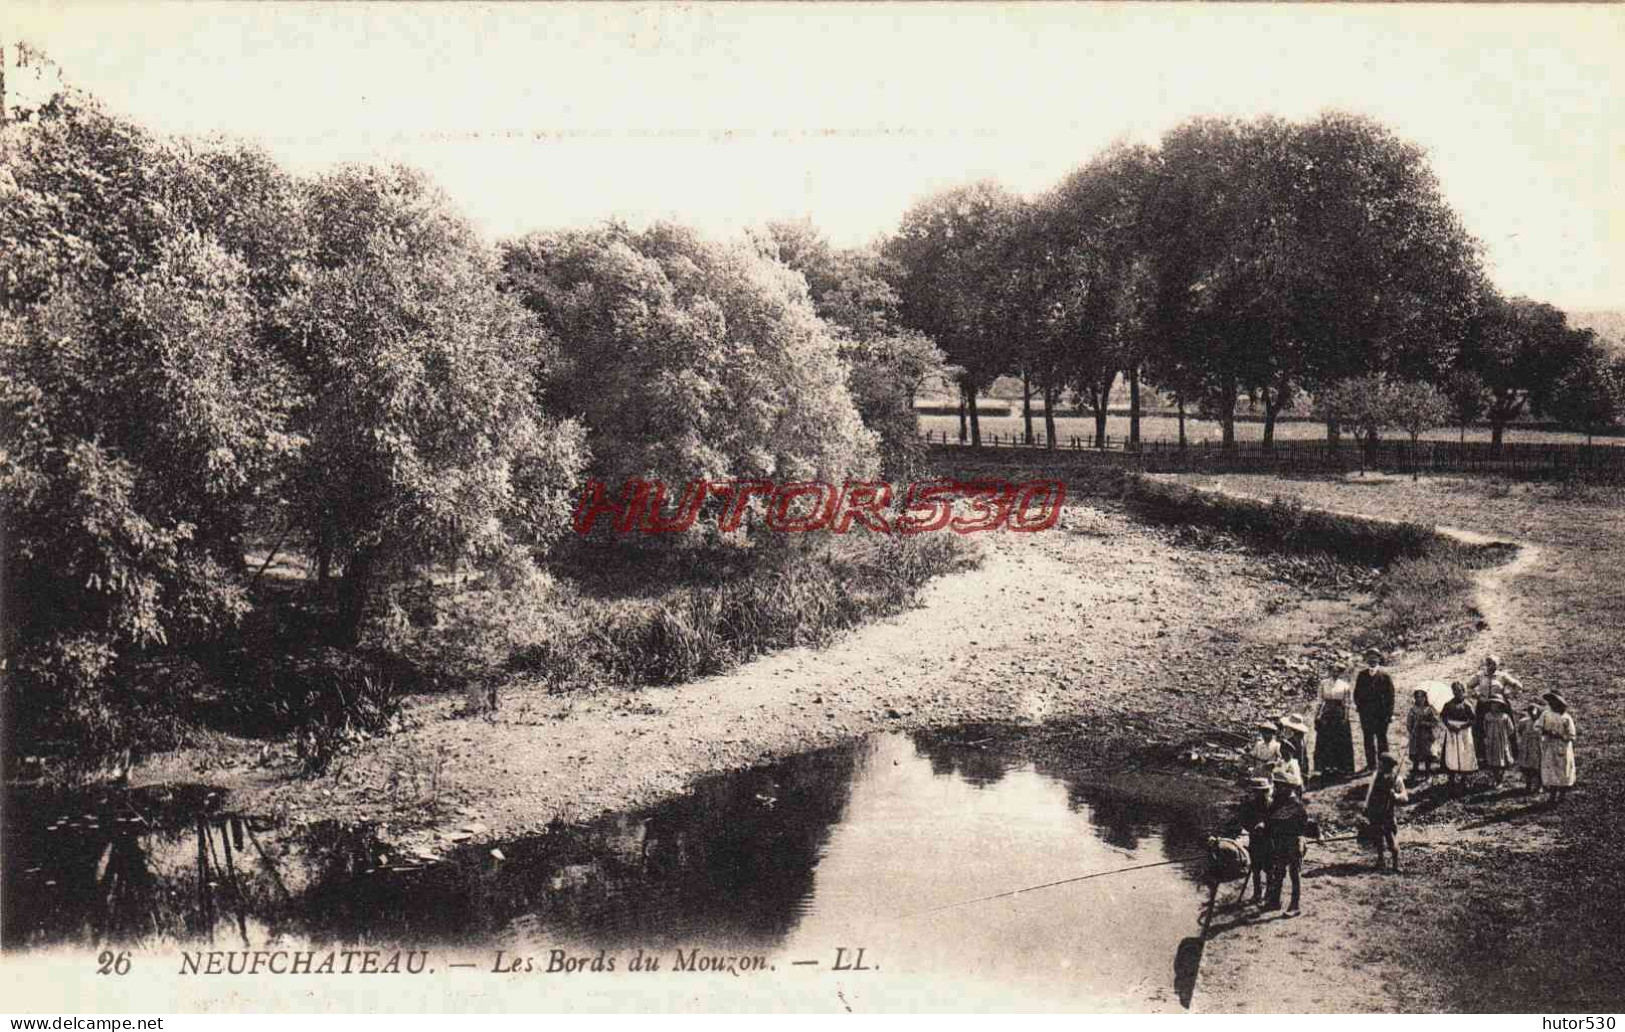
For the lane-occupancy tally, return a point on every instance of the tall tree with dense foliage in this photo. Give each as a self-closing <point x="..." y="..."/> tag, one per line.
<point x="687" y="359"/>
<point x="1291" y="257"/>
<point x="851" y="290"/>
<point x="947" y="254"/>
<point x="144" y="408"/>
<point x="1099" y="301"/>
<point x="427" y="442"/>
<point x="1590" y="396"/>
<point x="1521" y="349"/>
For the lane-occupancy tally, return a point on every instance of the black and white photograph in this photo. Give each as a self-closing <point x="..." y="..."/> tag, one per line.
<point x="811" y="508"/>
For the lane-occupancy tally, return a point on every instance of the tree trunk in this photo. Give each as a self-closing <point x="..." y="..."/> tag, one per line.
<point x="975" y="417"/>
<point x="324" y="562"/>
<point x="1049" y="417"/>
<point x="1227" y="422"/>
<point x="1100" y="396"/>
<point x="962" y="431"/>
<point x="1134" y="406"/>
<point x="1334" y="435"/>
<point x="1497" y="431"/>
<point x="1027" y="406"/>
<point x="353" y="595"/>
<point x="1463" y="439"/>
<point x="1180" y="400"/>
<point x="1416" y="459"/>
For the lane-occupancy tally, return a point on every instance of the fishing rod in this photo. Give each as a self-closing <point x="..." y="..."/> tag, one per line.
<point x="1092" y="875"/>
<point x="1063" y="881"/>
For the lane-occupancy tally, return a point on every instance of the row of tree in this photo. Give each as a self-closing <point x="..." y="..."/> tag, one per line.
<point x="1257" y="262"/>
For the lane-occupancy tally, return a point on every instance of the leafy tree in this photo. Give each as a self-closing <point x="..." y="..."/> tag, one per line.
<point x="1415" y="408"/>
<point x="1590" y="396"/>
<point x="688" y="359"/>
<point x="1099" y="301"/>
<point x="143" y="414"/>
<point x="851" y="291"/>
<point x="1468" y="398"/>
<point x="1293" y="256"/>
<point x="946" y="254"/>
<point x="427" y="444"/>
<point x="1521" y="349"/>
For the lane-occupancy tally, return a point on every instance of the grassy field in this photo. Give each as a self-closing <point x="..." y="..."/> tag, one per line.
<point x="1196" y="430"/>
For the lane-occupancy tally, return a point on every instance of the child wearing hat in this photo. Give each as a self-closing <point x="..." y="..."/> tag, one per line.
<point x="1250" y="819"/>
<point x="1295" y="732"/>
<point x="1498" y="737"/>
<point x="1382" y="805"/>
<point x="1529" y="748"/>
<point x="1265" y="751"/>
<point x="1287" y="770"/>
<point x="1422" y="731"/>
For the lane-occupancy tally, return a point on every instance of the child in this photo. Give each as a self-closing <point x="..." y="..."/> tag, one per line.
<point x="1265" y="751"/>
<point x="1422" y="726"/>
<point x="1498" y="737"/>
<point x="1557" y="748"/>
<point x="1382" y="804"/>
<point x="1529" y="749"/>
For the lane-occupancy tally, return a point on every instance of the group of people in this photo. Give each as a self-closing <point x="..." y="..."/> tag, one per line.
<point x="1475" y="730"/>
<point x="1478" y="730"/>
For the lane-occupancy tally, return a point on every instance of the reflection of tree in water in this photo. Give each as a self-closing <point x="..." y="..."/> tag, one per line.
<point x="730" y="862"/>
<point x="118" y="866"/>
<point x="977" y="766"/>
<point x="1122" y="816"/>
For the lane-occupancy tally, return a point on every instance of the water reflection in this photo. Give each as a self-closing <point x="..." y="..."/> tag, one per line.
<point x="861" y="845"/>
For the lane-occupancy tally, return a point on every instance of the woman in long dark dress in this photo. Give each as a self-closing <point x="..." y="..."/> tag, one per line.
<point x="1334" y="737"/>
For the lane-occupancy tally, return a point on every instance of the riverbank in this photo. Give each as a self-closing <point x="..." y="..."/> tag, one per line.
<point x="1506" y="904"/>
<point x="1102" y="628"/>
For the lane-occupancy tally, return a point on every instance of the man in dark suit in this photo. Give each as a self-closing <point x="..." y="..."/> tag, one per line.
<point x="1374" y="701"/>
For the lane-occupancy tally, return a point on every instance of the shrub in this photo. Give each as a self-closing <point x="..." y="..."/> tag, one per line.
<point x="1280" y="525"/>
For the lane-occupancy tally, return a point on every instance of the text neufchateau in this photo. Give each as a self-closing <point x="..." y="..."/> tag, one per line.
<point x="964" y="507"/>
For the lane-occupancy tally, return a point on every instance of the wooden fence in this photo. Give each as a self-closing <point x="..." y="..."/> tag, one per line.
<point x="1533" y="461"/>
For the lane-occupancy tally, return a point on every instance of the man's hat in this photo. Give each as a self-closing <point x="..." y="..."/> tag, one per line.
<point x="1388" y="760"/>
<point x="1283" y="777"/>
<point x="1373" y="653"/>
<point x="1265" y="725"/>
<point x="1295" y="722"/>
<point x="1556" y="699"/>
<point x="1258" y="784"/>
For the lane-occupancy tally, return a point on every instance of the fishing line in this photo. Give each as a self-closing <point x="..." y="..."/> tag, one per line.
<point x="1087" y="877"/>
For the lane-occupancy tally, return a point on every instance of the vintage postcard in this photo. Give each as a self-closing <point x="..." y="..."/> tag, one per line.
<point x="800" y="508"/>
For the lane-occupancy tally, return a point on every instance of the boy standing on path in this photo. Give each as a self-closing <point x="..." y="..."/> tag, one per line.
<point x="1374" y="701"/>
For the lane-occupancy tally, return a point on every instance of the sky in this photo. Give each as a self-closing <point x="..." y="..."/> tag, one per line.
<point x="726" y="116"/>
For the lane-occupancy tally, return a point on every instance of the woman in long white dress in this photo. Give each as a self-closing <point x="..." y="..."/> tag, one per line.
<point x="1460" y="755"/>
<point x="1556" y="748"/>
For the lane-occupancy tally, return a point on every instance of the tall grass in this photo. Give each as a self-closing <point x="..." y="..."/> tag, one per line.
<point x="1281" y="525"/>
<point x="557" y="630"/>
